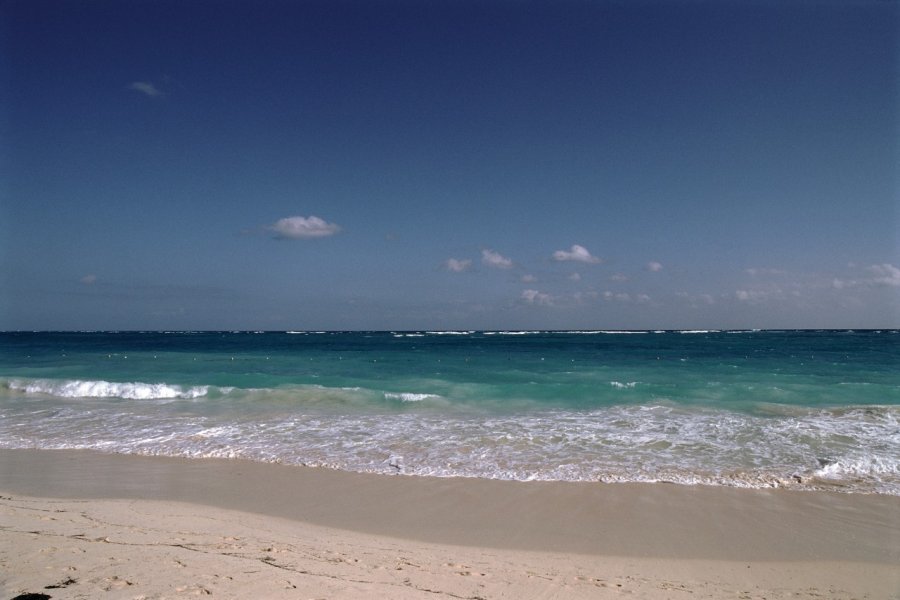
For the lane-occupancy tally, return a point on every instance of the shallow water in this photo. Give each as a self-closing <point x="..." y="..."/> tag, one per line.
<point x="804" y="409"/>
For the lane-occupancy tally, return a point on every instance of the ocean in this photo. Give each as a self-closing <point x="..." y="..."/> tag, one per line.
<point x="757" y="409"/>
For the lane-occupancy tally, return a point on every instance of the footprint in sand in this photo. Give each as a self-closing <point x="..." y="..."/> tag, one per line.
<point x="193" y="590"/>
<point x="464" y="570"/>
<point x="115" y="583"/>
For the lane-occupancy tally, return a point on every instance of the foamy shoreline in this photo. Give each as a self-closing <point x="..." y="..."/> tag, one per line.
<point x="161" y="527"/>
<point x="848" y="449"/>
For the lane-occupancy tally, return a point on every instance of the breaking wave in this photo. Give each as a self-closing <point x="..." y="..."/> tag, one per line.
<point x="106" y="389"/>
<point x="415" y="433"/>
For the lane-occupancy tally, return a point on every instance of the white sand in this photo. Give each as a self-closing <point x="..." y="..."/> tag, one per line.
<point x="98" y="526"/>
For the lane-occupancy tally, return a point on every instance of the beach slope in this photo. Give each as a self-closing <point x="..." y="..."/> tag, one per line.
<point x="80" y="524"/>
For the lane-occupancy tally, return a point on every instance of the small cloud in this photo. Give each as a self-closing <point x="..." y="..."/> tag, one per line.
<point x="642" y="298"/>
<point x="756" y="296"/>
<point x="885" y="274"/>
<point x="528" y="279"/>
<point x="456" y="265"/>
<point x="495" y="259"/>
<point x="575" y="277"/>
<point x="301" y="228"/>
<point x="654" y="266"/>
<point x="145" y="87"/>
<point x="576" y="253"/>
<point x="89" y="279"/>
<point x="536" y="297"/>
<point x="620" y="297"/>
<point x="619" y="277"/>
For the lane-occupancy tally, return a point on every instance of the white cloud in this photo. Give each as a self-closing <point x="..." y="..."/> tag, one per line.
<point x="755" y="296"/>
<point x="495" y="259"/>
<point x="456" y="265"/>
<point x="642" y="298"/>
<point x="145" y="87"/>
<point x="575" y="277"/>
<point x="885" y="274"/>
<point x="654" y="266"/>
<point x="299" y="228"/>
<point x="619" y="277"/>
<point x="536" y="297"/>
<point x="88" y="279"/>
<point x="528" y="278"/>
<point x="576" y="253"/>
<point x="621" y="296"/>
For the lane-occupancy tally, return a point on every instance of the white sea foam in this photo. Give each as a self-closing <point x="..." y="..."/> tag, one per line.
<point x="409" y="396"/>
<point x="511" y="332"/>
<point x="449" y="332"/>
<point x="847" y="449"/>
<point x="214" y="432"/>
<point x="866" y="466"/>
<point x="106" y="389"/>
<point x="622" y="386"/>
<point x="617" y="332"/>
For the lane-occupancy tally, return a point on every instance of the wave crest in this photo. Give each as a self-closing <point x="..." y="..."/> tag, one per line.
<point x="408" y="396"/>
<point x="107" y="389"/>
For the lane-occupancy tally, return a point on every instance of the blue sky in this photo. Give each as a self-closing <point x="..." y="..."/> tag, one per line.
<point x="449" y="165"/>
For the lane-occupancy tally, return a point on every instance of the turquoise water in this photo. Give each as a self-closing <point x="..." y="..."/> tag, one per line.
<point x="801" y="409"/>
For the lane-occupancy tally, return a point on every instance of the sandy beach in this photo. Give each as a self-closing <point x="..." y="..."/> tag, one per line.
<point x="86" y="525"/>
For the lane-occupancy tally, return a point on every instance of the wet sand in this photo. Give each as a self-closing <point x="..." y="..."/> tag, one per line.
<point x="152" y="527"/>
